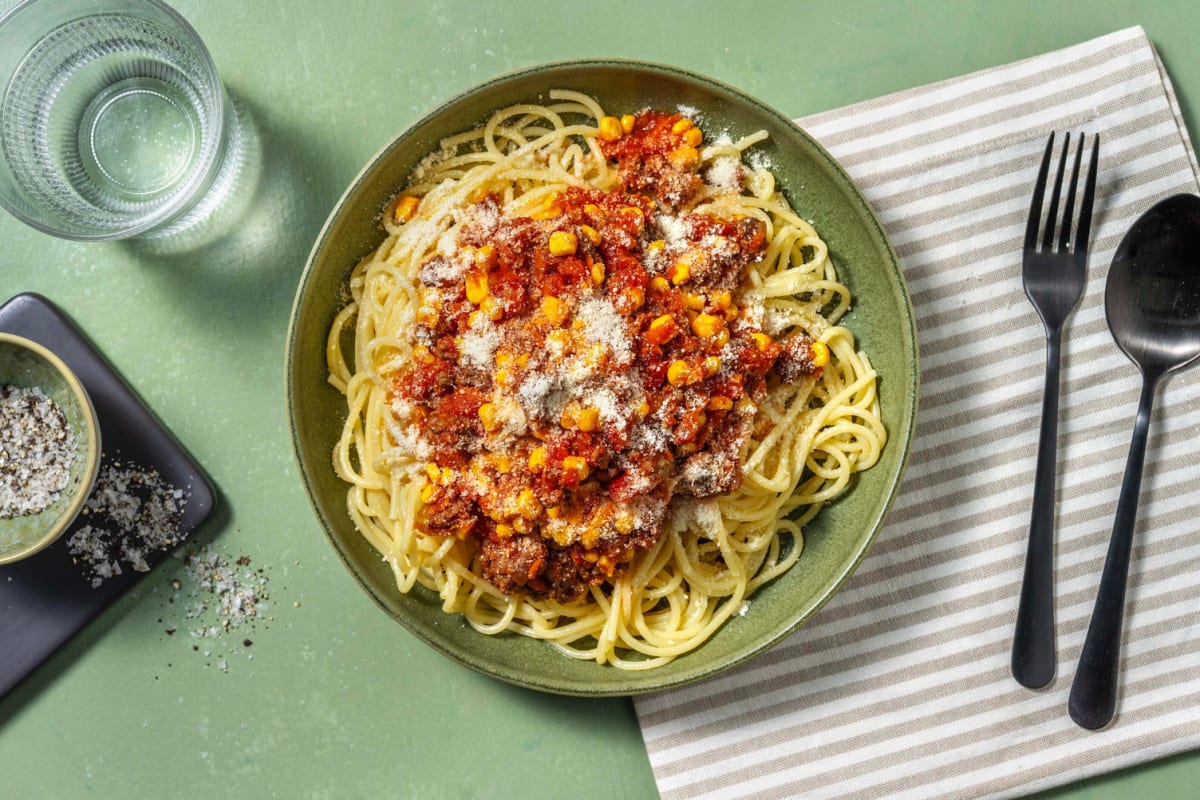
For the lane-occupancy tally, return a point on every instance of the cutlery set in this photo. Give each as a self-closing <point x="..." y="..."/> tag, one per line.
<point x="1152" y="304"/>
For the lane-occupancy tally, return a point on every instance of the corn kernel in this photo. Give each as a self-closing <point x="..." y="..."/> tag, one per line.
<point x="597" y="272"/>
<point x="661" y="329"/>
<point x="712" y="365"/>
<point x="588" y="419"/>
<point x="427" y="316"/>
<point x="731" y="313"/>
<point x="681" y="373"/>
<point x="504" y="358"/>
<point x="523" y="360"/>
<point x="693" y="301"/>
<point x="554" y="310"/>
<point x="679" y="273"/>
<point x="657" y="246"/>
<point x="487" y="415"/>
<point x="538" y="458"/>
<point x="707" y="325"/>
<point x="693" y="136"/>
<point x="591" y="233"/>
<point x="568" y="418"/>
<point x="684" y="157"/>
<point x="682" y="125"/>
<point x="576" y="467"/>
<point x="522" y="525"/>
<point x="820" y="354"/>
<point x="592" y="210"/>
<point x="433" y="471"/>
<point x="722" y="337"/>
<point x="761" y="340"/>
<point x="627" y="123"/>
<point x="504" y="377"/>
<point x="421" y="353"/>
<point x="485" y="257"/>
<point x="719" y="404"/>
<point x="558" y="340"/>
<point x="447" y="477"/>
<point x="406" y="208"/>
<point x="504" y="530"/>
<point x="642" y="410"/>
<point x="563" y="243"/>
<point x="491" y="306"/>
<point x="624" y="522"/>
<point x="477" y="286"/>
<point x="528" y="505"/>
<point x="553" y="512"/>
<point x="720" y="298"/>
<point x="502" y="463"/>
<point x="659" y="283"/>
<point x="550" y="212"/>
<point x="427" y="492"/>
<point x="610" y="129"/>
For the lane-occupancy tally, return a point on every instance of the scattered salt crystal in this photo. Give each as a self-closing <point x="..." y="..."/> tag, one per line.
<point x="131" y="513"/>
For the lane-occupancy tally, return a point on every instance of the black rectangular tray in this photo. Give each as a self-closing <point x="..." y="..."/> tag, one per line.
<point x="46" y="598"/>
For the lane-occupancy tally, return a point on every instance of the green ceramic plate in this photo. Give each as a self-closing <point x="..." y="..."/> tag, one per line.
<point x="25" y="364"/>
<point x="882" y="319"/>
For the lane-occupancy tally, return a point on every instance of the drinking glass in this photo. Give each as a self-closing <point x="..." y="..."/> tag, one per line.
<point x="113" y="121"/>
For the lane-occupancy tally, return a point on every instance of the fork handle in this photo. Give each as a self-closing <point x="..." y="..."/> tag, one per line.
<point x="1033" y="652"/>
<point x="1093" y="700"/>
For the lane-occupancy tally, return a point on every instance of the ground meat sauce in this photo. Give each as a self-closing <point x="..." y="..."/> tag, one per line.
<point x="579" y="367"/>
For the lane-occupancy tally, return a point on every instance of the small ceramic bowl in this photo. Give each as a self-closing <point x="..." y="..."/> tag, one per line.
<point x="25" y="364"/>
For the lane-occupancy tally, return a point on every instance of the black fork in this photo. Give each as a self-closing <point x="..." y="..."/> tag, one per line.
<point x="1054" y="274"/>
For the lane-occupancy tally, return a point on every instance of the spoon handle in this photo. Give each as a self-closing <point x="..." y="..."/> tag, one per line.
<point x="1093" y="698"/>
<point x="1033" y="651"/>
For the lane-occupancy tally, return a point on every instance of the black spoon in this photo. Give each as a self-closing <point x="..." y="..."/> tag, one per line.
<point x="1152" y="300"/>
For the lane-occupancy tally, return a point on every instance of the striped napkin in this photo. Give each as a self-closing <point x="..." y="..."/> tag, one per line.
<point x="900" y="687"/>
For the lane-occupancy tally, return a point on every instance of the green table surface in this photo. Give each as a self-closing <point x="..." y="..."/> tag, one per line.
<point x="338" y="700"/>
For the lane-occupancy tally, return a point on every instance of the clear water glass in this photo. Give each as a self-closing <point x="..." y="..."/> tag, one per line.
<point x="113" y="121"/>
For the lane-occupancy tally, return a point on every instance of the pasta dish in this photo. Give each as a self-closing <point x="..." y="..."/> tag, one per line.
<point x="595" y="380"/>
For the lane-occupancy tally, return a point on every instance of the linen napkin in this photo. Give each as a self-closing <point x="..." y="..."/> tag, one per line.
<point x="900" y="686"/>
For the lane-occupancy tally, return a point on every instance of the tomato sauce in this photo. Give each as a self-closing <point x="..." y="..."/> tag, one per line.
<point x="579" y="367"/>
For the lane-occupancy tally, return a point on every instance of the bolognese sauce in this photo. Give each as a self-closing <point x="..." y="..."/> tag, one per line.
<point x="579" y="367"/>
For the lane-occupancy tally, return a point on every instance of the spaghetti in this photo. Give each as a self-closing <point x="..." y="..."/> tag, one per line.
<point x="596" y="384"/>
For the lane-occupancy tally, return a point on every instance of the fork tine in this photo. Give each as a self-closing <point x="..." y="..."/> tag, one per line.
<point x="1039" y="188"/>
<point x="1064" y="235"/>
<point x="1048" y="234"/>
<point x="1089" y="197"/>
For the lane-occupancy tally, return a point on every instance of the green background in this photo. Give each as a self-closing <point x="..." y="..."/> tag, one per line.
<point x="338" y="700"/>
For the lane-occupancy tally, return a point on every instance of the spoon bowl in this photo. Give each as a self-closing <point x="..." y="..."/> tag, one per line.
<point x="1152" y="300"/>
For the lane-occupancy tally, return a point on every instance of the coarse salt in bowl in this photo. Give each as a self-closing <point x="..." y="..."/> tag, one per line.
<point x="49" y="447"/>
